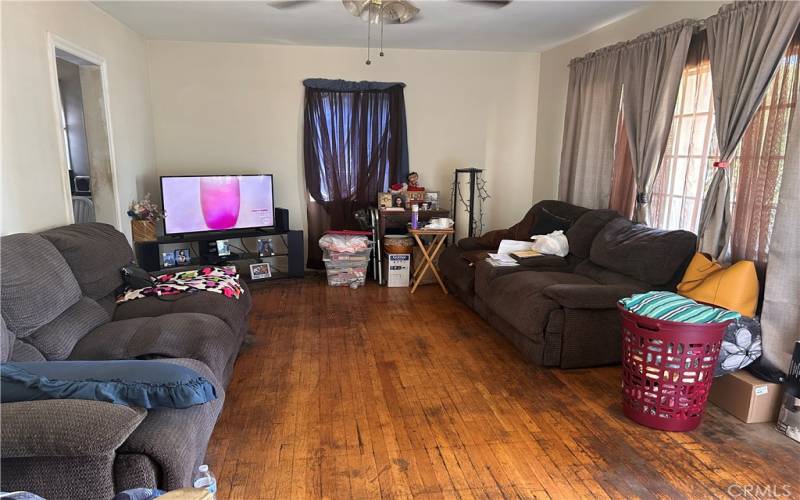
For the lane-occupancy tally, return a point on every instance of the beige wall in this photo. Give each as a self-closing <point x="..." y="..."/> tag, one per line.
<point x="32" y="189"/>
<point x="238" y="108"/>
<point x="555" y="76"/>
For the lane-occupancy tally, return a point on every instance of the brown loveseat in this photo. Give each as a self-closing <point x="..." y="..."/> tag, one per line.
<point x="58" y="291"/>
<point x="562" y="311"/>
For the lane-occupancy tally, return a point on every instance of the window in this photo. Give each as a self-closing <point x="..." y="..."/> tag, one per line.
<point x="691" y="147"/>
<point x="755" y="171"/>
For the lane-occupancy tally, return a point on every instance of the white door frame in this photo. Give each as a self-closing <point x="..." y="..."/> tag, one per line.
<point x="56" y="42"/>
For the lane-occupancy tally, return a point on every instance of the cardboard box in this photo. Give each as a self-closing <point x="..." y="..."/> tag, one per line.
<point x="399" y="271"/>
<point x="746" y="397"/>
<point x="789" y="419"/>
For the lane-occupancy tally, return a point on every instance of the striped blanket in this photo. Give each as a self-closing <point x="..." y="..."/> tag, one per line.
<point x="673" y="307"/>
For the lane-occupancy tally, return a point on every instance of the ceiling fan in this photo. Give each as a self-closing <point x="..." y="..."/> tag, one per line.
<point x="382" y="12"/>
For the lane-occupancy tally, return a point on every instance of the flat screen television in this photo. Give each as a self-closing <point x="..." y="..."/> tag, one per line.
<point x="205" y="203"/>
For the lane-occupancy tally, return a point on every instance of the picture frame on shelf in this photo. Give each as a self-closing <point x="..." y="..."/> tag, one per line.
<point x="182" y="256"/>
<point x="398" y="201"/>
<point x="168" y="259"/>
<point x="265" y="247"/>
<point x="385" y="200"/>
<point x="432" y="197"/>
<point x="223" y="248"/>
<point x="414" y="198"/>
<point x="260" y="271"/>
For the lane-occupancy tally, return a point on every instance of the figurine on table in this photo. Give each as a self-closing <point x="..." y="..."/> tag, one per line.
<point x="412" y="184"/>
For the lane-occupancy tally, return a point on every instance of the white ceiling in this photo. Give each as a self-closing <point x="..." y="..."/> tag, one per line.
<point x="523" y="25"/>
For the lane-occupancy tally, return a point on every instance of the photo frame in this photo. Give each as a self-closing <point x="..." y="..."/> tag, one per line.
<point x="414" y="198"/>
<point x="183" y="257"/>
<point x="265" y="247"/>
<point x="384" y="200"/>
<point x="223" y="248"/>
<point x="260" y="271"/>
<point x="398" y="201"/>
<point x="432" y="197"/>
<point x="168" y="259"/>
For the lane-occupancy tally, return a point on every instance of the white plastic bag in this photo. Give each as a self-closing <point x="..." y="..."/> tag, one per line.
<point x="554" y="243"/>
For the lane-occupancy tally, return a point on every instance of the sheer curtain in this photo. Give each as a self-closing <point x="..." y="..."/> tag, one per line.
<point x="354" y="146"/>
<point x="757" y="169"/>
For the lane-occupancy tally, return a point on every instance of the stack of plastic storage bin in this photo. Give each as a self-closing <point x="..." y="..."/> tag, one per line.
<point x="346" y="255"/>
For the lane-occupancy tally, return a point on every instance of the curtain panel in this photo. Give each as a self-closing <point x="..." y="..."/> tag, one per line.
<point x="760" y="164"/>
<point x="780" y="315"/>
<point x="746" y="41"/>
<point x="587" y="151"/>
<point x="354" y="146"/>
<point x="652" y="75"/>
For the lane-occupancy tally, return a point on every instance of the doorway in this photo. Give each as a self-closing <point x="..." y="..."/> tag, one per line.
<point x="85" y="135"/>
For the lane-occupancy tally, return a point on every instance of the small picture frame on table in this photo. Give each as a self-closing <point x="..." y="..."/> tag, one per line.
<point x="260" y="271"/>
<point x="432" y="197"/>
<point x="182" y="257"/>
<point x="384" y="200"/>
<point x="265" y="247"/>
<point x="398" y="201"/>
<point x="168" y="259"/>
<point x="414" y="198"/>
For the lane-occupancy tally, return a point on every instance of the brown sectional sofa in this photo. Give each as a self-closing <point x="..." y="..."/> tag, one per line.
<point x="562" y="311"/>
<point x="58" y="291"/>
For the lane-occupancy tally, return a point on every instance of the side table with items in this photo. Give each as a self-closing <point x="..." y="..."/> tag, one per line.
<point x="429" y="253"/>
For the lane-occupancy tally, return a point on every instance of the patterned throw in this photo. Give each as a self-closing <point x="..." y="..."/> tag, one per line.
<point x="672" y="307"/>
<point x="222" y="280"/>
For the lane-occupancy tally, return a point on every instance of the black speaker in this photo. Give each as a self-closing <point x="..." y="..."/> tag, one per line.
<point x="281" y="219"/>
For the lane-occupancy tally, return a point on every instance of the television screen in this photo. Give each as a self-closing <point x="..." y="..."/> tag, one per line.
<point x="217" y="203"/>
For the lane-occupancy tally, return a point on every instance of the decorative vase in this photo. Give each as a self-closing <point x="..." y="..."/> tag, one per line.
<point x="143" y="230"/>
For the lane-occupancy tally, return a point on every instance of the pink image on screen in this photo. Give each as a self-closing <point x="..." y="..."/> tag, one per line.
<point x="220" y="201"/>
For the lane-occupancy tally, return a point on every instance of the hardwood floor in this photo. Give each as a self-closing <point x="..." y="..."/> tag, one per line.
<point x="375" y="393"/>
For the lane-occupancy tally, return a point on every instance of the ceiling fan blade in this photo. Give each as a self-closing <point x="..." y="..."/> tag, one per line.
<point x="289" y="4"/>
<point x="491" y="4"/>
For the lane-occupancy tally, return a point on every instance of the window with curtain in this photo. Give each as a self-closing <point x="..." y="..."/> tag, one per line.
<point x="354" y="146"/>
<point x="757" y="167"/>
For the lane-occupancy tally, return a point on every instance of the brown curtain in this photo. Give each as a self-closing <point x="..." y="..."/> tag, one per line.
<point x="746" y="41"/>
<point x="587" y="151"/>
<point x="355" y="146"/>
<point x="623" y="183"/>
<point x="652" y="74"/>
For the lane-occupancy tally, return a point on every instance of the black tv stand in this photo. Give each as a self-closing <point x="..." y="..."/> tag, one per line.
<point x="148" y="253"/>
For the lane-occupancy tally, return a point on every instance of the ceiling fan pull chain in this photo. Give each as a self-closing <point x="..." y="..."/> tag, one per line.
<point x="369" y="22"/>
<point x="381" y="17"/>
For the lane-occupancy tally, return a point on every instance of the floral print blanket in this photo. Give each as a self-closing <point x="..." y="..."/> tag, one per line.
<point x="224" y="280"/>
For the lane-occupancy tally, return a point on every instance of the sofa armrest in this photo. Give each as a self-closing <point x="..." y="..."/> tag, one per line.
<point x="65" y="428"/>
<point x="488" y="241"/>
<point x="589" y="296"/>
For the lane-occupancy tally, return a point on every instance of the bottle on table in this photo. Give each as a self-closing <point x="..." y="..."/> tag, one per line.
<point x="415" y="216"/>
<point x="204" y="480"/>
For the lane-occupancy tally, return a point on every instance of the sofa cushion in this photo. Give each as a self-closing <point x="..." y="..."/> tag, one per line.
<point x="231" y="311"/>
<point x="95" y="252"/>
<point x="607" y="276"/>
<point x="36" y="284"/>
<point x="518" y="299"/>
<point x="181" y="335"/>
<point x="139" y="383"/>
<point x="546" y="222"/>
<point x="6" y="342"/>
<point x="56" y="339"/>
<point x="23" y="351"/>
<point x="583" y="232"/>
<point x="651" y="255"/>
